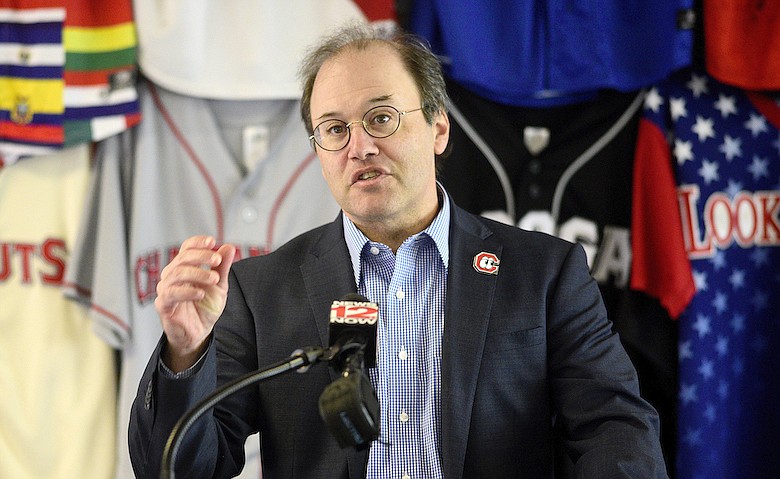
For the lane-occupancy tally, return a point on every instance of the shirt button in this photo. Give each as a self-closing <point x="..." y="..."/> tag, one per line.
<point x="403" y="417"/>
<point x="374" y="250"/>
<point x="249" y="214"/>
<point x="406" y="476"/>
<point x="402" y="355"/>
<point x="399" y="294"/>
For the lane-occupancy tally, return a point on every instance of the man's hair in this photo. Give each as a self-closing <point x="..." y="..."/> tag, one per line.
<point x="418" y="59"/>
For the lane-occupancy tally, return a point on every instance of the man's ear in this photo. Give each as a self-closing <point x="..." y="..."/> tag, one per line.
<point x="441" y="131"/>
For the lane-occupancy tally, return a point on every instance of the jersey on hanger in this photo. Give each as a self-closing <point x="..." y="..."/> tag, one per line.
<point x="68" y="74"/>
<point x="742" y="43"/>
<point x="708" y="177"/>
<point x="242" y="171"/>
<point x="57" y="378"/>
<point x="248" y="51"/>
<point x="545" y="53"/>
<point x="566" y="170"/>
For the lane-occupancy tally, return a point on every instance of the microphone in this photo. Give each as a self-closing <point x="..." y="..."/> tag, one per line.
<point x="300" y="359"/>
<point x="349" y="405"/>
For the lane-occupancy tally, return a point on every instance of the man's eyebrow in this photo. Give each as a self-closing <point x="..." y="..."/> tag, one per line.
<point x="380" y="98"/>
<point x="377" y="99"/>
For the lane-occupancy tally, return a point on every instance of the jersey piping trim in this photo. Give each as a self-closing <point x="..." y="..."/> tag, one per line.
<point x="83" y="294"/>
<point x="280" y="199"/>
<point x="220" y="234"/>
<point x="592" y="150"/>
<point x="490" y="156"/>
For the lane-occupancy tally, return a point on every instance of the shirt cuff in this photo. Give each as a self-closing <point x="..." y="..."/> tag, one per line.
<point x="187" y="373"/>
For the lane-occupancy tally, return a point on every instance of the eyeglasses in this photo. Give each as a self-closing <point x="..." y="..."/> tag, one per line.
<point x="379" y="122"/>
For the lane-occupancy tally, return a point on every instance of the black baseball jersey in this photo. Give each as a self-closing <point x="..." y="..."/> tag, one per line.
<point x="567" y="171"/>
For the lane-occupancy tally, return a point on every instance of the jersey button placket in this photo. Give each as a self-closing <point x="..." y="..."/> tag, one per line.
<point x="249" y="214"/>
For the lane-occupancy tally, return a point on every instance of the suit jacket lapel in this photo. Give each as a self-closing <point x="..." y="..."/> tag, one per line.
<point x="327" y="275"/>
<point x="469" y="302"/>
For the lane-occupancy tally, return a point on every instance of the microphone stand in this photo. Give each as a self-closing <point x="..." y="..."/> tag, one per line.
<point x="300" y="359"/>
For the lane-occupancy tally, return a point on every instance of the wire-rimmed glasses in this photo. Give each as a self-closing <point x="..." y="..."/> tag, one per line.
<point x="379" y="122"/>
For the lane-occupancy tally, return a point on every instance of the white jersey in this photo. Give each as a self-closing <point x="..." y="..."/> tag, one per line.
<point x="242" y="171"/>
<point x="249" y="50"/>
<point x="57" y="378"/>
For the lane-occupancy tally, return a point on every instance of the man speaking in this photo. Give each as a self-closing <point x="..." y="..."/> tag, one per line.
<point x="494" y="355"/>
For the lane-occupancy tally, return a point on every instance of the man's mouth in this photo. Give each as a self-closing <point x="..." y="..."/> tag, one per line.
<point x="368" y="175"/>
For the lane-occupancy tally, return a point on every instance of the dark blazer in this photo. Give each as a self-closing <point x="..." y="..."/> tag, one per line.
<point x="531" y="370"/>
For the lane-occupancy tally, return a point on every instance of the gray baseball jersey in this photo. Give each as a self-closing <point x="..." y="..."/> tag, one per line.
<point x="242" y="171"/>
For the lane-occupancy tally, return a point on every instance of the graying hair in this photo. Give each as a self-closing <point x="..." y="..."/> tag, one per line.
<point x="417" y="57"/>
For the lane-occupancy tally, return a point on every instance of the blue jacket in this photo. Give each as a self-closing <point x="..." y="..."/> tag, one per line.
<point x="533" y="377"/>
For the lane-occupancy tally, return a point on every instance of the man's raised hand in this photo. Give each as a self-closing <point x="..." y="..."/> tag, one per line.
<point x="191" y="295"/>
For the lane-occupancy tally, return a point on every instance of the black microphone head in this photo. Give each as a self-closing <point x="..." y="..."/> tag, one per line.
<point x="350" y="409"/>
<point x="352" y="328"/>
<point x="349" y="404"/>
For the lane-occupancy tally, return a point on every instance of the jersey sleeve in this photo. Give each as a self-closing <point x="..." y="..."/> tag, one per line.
<point x="659" y="264"/>
<point x="99" y="276"/>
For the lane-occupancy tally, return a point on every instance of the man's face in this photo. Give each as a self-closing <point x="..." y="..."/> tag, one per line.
<point x="381" y="181"/>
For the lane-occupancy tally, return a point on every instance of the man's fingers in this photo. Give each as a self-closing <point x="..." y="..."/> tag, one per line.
<point x="214" y="299"/>
<point x="191" y="295"/>
<point x="182" y="275"/>
<point x="226" y="253"/>
<point x="211" y="304"/>
<point x="201" y="258"/>
<point x="198" y="242"/>
<point x="173" y="295"/>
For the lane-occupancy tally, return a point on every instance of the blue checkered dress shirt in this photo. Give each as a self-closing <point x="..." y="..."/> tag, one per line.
<point x="410" y="289"/>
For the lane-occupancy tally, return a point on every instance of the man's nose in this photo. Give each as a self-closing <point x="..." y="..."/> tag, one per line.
<point x="360" y="144"/>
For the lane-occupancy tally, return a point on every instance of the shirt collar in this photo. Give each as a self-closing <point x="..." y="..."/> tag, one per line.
<point x="438" y="230"/>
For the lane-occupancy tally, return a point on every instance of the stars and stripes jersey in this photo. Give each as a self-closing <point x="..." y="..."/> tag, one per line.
<point x="249" y="51"/>
<point x="57" y="378"/>
<point x="242" y="171"/>
<point x="533" y="53"/>
<point x="67" y="74"/>
<point x="566" y="171"/>
<point x="707" y="191"/>
<point x="742" y="43"/>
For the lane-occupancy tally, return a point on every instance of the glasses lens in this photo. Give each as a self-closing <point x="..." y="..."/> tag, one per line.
<point x="331" y="134"/>
<point x="381" y="121"/>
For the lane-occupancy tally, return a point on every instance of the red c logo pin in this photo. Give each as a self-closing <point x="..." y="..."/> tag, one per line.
<point x="486" y="263"/>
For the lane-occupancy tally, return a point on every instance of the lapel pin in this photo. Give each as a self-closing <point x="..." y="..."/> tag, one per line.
<point x="486" y="263"/>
